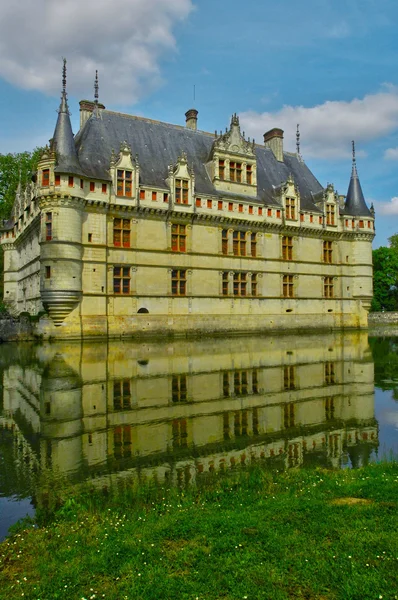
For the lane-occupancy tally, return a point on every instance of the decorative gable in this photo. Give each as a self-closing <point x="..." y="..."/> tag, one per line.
<point x="232" y="165"/>
<point x="125" y="172"/>
<point x="329" y="204"/>
<point x="181" y="181"/>
<point x="290" y="199"/>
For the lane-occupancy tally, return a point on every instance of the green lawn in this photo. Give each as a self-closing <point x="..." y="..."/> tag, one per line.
<point x="297" y="534"/>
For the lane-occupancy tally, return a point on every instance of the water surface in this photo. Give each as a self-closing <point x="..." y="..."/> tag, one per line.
<point x="174" y="411"/>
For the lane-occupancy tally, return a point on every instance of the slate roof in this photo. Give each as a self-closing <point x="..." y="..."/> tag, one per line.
<point x="355" y="204"/>
<point x="159" y="145"/>
<point x="63" y="142"/>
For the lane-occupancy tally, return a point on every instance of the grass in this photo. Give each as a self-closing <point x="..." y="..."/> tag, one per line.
<point x="297" y="534"/>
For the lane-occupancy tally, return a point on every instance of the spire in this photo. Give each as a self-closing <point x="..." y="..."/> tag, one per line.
<point x="63" y="141"/>
<point x="298" y="142"/>
<point x="355" y="202"/>
<point x="96" y="112"/>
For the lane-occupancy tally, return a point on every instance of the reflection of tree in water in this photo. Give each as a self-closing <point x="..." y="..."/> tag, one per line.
<point x="385" y="356"/>
<point x="360" y="455"/>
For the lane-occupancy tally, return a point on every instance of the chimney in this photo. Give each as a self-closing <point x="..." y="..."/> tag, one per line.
<point x="86" y="109"/>
<point x="191" y="119"/>
<point x="274" y="139"/>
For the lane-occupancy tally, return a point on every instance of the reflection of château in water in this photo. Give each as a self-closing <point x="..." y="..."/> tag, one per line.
<point x="177" y="409"/>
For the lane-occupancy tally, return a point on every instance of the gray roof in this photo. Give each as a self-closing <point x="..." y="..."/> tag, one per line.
<point x="355" y="204"/>
<point x="63" y="142"/>
<point x="159" y="145"/>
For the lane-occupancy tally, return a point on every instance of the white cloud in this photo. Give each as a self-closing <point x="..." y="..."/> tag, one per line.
<point x="391" y="154"/>
<point x="387" y="208"/>
<point x="327" y="129"/>
<point x="124" y="40"/>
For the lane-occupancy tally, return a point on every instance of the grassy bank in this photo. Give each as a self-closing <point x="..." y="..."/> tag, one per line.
<point x="299" y="534"/>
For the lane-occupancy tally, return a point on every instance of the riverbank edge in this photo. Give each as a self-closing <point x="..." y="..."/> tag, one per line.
<point x="298" y="534"/>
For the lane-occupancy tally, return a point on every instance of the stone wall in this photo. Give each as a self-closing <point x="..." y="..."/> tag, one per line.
<point x="382" y="318"/>
<point x="15" y="330"/>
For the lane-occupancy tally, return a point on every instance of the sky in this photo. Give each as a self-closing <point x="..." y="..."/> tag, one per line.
<point x="327" y="65"/>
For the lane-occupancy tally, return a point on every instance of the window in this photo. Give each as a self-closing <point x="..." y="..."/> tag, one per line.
<point x="154" y="196"/>
<point x="249" y="173"/>
<point x="209" y="204"/>
<point x="311" y="218"/>
<point x="178" y="238"/>
<point x="361" y="224"/>
<point x="224" y="241"/>
<point x="287" y="247"/>
<point x="278" y="214"/>
<point x="289" y="377"/>
<point x="288" y="286"/>
<point x="179" y="388"/>
<point x="330" y="214"/>
<point x="181" y="191"/>
<point x="230" y="206"/>
<point x="198" y="202"/>
<point x="239" y="243"/>
<point x="240" y="383"/>
<point x="353" y="223"/>
<point x="92" y="186"/>
<point x="221" y="169"/>
<point x="225" y="419"/>
<point x="90" y="237"/>
<point x="254" y="284"/>
<point x="70" y="181"/>
<point x="122" y="441"/>
<point x="121" y="232"/>
<point x="178" y="282"/>
<point x="124" y="183"/>
<point x="142" y="194"/>
<point x="329" y="373"/>
<point x="240" y="208"/>
<point x="49" y="226"/>
<point x="104" y="188"/>
<point x="253" y="245"/>
<point x="250" y="210"/>
<point x="121" y="280"/>
<point x="240" y="284"/>
<point x="288" y="415"/>
<point x="260" y="211"/>
<point x="225" y="281"/>
<point x="269" y="212"/>
<point x="329" y="408"/>
<point x="255" y="384"/>
<point x="240" y="423"/>
<point x="320" y="220"/>
<point x="220" y="205"/>
<point x="48" y="272"/>
<point x="121" y="394"/>
<point x="45" y="177"/>
<point x="81" y="184"/>
<point x="235" y="171"/>
<point x="57" y="179"/>
<point x="179" y="433"/>
<point x="328" y="287"/>
<point x="327" y="252"/>
<point x="290" y="208"/>
<point x="165" y="197"/>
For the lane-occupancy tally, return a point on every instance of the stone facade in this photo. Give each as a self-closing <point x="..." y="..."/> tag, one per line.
<point x="181" y="232"/>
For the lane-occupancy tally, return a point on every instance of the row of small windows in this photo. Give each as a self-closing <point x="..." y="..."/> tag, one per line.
<point x="124" y="188"/>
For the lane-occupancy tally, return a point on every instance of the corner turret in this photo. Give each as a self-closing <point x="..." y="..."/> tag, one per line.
<point x="355" y="204"/>
<point x="63" y="142"/>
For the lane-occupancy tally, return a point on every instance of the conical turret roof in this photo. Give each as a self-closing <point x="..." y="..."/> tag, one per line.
<point x="355" y="204"/>
<point x="63" y="141"/>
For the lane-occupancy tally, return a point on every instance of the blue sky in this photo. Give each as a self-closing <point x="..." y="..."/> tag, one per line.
<point x="329" y="65"/>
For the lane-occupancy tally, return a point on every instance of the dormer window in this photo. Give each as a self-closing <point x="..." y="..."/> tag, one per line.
<point x="235" y="171"/>
<point x="249" y="173"/>
<point x="181" y="191"/>
<point x="45" y="178"/>
<point x="330" y="214"/>
<point x="221" y="169"/>
<point x="124" y="183"/>
<point x="290" y="208"/>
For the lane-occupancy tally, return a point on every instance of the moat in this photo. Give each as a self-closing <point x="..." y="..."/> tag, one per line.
<point x="175" y="411"/>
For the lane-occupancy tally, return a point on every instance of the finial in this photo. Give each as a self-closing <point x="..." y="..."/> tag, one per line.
<point x="96" y="87"/>
<point x="353" y="153"/>
<point x="298" y="139"/>
<point x="64" y="76"/>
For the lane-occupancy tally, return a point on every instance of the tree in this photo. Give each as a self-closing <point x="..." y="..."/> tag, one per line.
<point x="14" y="168"/>
<point x="385" y="276"/>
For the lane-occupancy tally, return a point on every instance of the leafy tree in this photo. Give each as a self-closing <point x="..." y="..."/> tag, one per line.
<point x="15" y="167"/>
<point x="385" y="276"/>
